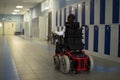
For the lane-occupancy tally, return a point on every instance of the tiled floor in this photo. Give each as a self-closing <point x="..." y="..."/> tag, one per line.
<point x="34" y="61"/>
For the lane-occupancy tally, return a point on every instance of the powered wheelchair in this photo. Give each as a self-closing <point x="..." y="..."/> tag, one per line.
<point x="69" y="54"/>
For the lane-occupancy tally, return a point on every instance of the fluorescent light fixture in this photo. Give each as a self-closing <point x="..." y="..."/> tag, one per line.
<point x="19" y="6"/>
<point x="16" y="10"/>
<point x="14" y="13"/>
<point x="46" y="8"/>
<point x="72" y="8"/>
<point x="79" y="5"/>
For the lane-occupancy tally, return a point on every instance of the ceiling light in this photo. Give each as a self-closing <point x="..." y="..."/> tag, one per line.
<point x="14" y="13"/>
<point x="72" y="8"/>
<point x="16" y="10"/>
<point x="79" y="5"/>
<point x="19" y="6"/>
<point x="46" y="7"/>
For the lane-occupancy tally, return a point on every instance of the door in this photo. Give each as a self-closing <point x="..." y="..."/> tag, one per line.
<point x="9" y="28"/>
<point x="49" y="26"/>
<point x="26" y="28"/>
<point x="42" y="28"/>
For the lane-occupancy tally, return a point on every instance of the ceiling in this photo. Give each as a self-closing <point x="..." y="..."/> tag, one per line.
<point x="7" y="6"/>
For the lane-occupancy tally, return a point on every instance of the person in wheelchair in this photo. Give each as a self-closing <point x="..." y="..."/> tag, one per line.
<point x="70" y="38"/>
<point x="69" y="54"/>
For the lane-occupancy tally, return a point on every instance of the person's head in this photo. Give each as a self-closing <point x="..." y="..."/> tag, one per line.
<point x="71" y="18"/>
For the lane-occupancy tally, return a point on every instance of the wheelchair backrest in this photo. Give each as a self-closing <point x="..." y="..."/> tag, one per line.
<point x="73" y="36"/>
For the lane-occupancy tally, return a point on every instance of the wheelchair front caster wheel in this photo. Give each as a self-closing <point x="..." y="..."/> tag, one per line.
<point x="65" y="64"/>
<point x="57" y="60"/>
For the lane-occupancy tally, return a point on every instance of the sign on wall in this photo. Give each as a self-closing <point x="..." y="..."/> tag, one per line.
<point x="46" y="5"/>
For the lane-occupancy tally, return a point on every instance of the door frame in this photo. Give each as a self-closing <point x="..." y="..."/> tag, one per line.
<point x="49" y="39"/>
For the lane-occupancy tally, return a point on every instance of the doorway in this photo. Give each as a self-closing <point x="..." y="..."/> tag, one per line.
<point x="9" y="28"/>
<point x="49" y="26"/>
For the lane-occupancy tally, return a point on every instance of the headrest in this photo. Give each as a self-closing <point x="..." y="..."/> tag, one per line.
<point x="72" y="25"/>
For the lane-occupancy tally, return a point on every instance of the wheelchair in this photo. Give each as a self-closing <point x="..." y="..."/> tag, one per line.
<point x="69" y="52"/>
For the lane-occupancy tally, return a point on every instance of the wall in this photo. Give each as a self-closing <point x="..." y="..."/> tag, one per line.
<point x="56" y="4"/>
<point x="102" y="36"/>
<point x="26" y="28"/>
<point x="16" y="18"/>
<point x="26" y="17"/>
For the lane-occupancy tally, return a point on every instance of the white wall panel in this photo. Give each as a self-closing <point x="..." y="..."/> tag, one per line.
<point x="87" y="12"/>
<point x="114" y="40"/>
<point x="67" y="12"/>
<point x="58" y="18"/>
<point x="62" y="17"/>
<point x="97" y="12"/>
<point x="79" y="13"/>
<point x="90" y="43"/>
<point x="108" y="12"/>
<point x="101" y="39"/>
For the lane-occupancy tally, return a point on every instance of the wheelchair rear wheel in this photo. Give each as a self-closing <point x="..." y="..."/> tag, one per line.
<point x="90" y="63"/>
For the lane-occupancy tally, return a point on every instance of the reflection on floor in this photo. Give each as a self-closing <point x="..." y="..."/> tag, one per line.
<point x="34" y="61"/>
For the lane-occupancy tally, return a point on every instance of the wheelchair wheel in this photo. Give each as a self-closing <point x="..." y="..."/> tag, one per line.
<point x="65" y="64"/>
<point x="57" y="62"/>
<point x="90" y="63"/>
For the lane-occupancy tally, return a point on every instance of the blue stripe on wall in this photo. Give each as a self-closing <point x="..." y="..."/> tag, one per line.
<point x="64" y="15"/>
<point x="102" y="11"/>
<point x="86" y="37"/>
<point x="76" y="14"/>
<point x="95" y="43"/>
<point x="119" y="43"/>
<point x="115" y="16"/>
<point x="60" y="17"/>
<point x="83" y="13"/>
<point x="107" y="39"/>
<point x="92" y="12"/>
<point x="70" y="10"/>
<point x="56" y="18"/>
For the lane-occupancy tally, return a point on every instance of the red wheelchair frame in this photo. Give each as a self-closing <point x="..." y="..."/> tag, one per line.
<point x="79" y="60"/>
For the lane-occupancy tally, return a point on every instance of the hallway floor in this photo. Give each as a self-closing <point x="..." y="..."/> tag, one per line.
<point x="24" y="59"/>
